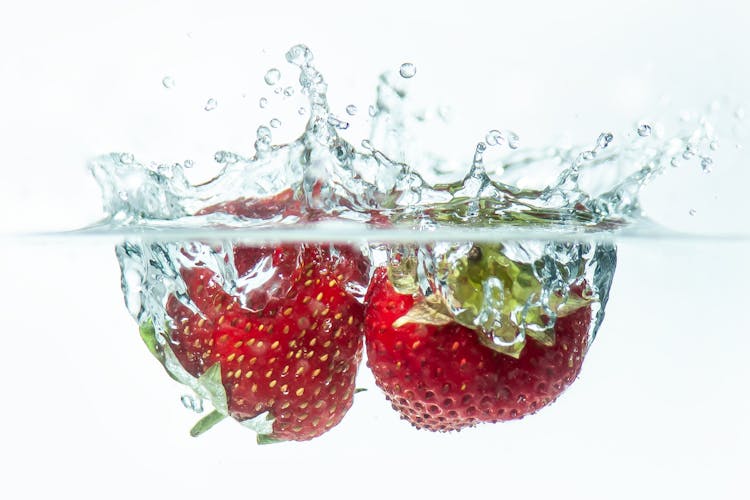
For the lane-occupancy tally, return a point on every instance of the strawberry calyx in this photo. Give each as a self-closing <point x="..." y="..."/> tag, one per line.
<point x="502" y="296"/>
<point x="207" y="386"/>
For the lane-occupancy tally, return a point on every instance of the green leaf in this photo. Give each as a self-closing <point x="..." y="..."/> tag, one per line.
<point x="148" y="335"/>
<point x="267" y="439"/>
<point x="206" y="423"/>
<point x="209" y="385"/>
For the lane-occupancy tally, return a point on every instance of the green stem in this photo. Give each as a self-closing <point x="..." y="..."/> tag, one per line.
<point x="206" y="423"/>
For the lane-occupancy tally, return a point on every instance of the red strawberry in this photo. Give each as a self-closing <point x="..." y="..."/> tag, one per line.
<point x="288" y="341"/>
<point x="442" y="378"/>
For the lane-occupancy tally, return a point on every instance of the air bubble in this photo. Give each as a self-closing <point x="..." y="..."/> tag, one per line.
<point x="289" y="91"/>
<point x="714" y="145"/>
<point x="126" y="158"/>
<point x="351" y="110"/>
<point x="301" y="110"/>
<point x="675" y="162"/>
<point x="210" y="104"/>
<point x="275" y="123"/>
<point x="494" y="138"/>
<point x="706" y="164"/>
<point x="692" y="211"/>
<point x="688" y="153"/>
<point x="272" y="76"/>
<point x="168" y="82"/>
<point x="263" y="102"/>
<point x="188" y="164"/>
<point x="644" y="130"/>
<point x="407" y="70"/>
<point x="191" y="403"/>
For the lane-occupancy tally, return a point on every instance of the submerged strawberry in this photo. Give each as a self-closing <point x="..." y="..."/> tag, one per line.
<point x="276" y="331"/>
<point x="442" y="375"/>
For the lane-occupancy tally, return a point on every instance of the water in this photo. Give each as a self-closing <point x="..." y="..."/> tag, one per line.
<point x="654" y="370"/>
<point x="498" y="248"/>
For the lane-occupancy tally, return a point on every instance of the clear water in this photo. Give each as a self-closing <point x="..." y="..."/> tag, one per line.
<point x="659" y="410"/>
<point x="555" y="214"/>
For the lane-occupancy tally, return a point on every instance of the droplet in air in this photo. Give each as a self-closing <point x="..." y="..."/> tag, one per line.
<point x="372" y="110"/>
<point x="513" y="140"/>
<point x="289" y="91"/>
<point x="588" y="155"/>
<point x="706" y="164"/>
<point x="263" y="102"/>
<point x="188" y="163"/>
<point x="688" y="153"/>
<point x="692" y="211"/>
<point x="272" y="76"/>
<point x="275" y="123"/>
<point x="126" y="158"/>
<point x="494" y="138"/>
<point x="644" y="130"/>
<point x="604" y="140"/>
<point x="351" y="110"/>
<point x="168" y="82"/>
<point x="407" y="70"/>
<point x="366" y="144"/>
<point x="210" y="104"/>
<point x="675" y="162"/>
<point x="277" y="90"/>
<point x="714" y="145"/>
<point x="192" y="403"/>
<point x="339" y="124"/>
<point x="301" y="110"/>
<point x="299" y="55"/>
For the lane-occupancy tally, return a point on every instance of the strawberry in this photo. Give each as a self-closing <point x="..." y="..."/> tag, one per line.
<point x="443" y="377"/>
<point x="285" y="341"/>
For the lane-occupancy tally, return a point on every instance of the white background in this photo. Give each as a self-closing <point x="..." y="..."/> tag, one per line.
<point x="661" y="407"/>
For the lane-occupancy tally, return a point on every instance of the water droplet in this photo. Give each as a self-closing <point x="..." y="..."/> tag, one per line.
<point x="289" y="91"/>
<point x="588" y="155"/>
<point x="126" y="158"/>
<point x="739" y="113"/>
<point x="706" y="164"/>
<point x="692" y="211"/>
<point x="644" y="130"/>
<point x="277" y="90"/>
<point x="351" y="110"/>
<point x="494" y="138"/>
<point x="299" y="55"/>
<point x="688" y="153"/>
<point x="407" y="70"/>
<point x="675" y="162"/>
<point x="372" y="110"/>
<point x="513" y="140"/>
<point x="366" y="144"/>
<point x="339" y="124"/>
<point x="275" y="123"/>
<point x="210" y="104"/>
<point x="168" y="82"/>
<point x="263" y="132"/>
<point x="272" y="76"/>
<point x="714" y="145"/>
<point x="604" y="140"/>
<point x="301" y="110"/>
<point x="188" y="163"/>
<point x="263" y="102"/>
